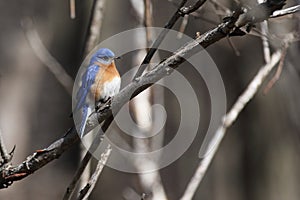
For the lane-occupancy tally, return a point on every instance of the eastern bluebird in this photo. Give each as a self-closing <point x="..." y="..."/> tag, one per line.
<point x="100" y="81"/>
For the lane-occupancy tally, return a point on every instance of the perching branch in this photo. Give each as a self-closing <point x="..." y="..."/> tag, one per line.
<point x="42" y="157"/>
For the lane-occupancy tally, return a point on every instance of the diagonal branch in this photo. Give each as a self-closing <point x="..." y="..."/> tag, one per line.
<point x="180" y="12"/>
<point x="287" y="11"/>
<point x="84" y="162"/>
<point x="278" y="72"/>
<point x="228" y="119"/>
<point x="38" y="159"/>
<point x="86" y="191"/>
<point x="44" y="55"/>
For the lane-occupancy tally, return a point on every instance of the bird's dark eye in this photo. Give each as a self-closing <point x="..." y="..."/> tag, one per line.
<point x="106" y="58"/>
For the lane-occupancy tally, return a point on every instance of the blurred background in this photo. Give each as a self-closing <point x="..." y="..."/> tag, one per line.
<point x="259" y="157"/>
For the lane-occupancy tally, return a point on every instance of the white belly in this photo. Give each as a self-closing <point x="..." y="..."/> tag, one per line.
<point x="110" y="88"/>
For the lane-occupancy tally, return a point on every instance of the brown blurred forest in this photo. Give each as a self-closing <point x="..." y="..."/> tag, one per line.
<point x="258" y="159"/>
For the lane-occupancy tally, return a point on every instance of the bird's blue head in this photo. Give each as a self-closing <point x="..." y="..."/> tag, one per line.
<point x="104" y="56"/>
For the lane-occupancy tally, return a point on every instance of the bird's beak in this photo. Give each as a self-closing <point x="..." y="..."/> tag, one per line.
<point x="117" y="57"/>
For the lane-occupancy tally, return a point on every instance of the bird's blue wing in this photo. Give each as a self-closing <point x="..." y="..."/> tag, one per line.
<point x="88" y="80"/>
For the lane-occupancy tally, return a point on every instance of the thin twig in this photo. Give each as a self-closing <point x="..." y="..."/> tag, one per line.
<point x="6" y="157"/>
<point x="86" y="191"/>
<point x="278" y="72"/>
<point x="258" y="33"/>
<point x="83" y="164"/>
<point x="233" y="47"/>
<point x="159" y="39"/>
<point x="228" y="119"/>
<point x="286" y="11"/>
<point x="181" y="11"/>
<point x="43" y="54"/>
<point x="183" y="26"/>
<point x="79" y="171"/>
<point x="265" y="42"/>
<point x="72" y="9"/>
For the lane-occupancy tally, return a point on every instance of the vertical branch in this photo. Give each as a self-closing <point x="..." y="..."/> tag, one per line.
<point x="228" y="120"/>
<point x="95" y="26"/>
<point x="183" y="26"/>
<point x="148" y="20"/>
<point x="84" y="170"/>
<point x="72" y="9"/>
<point x="150" y="182"/>
<point x="265" y="42"/>
<point x="93" y="37"/>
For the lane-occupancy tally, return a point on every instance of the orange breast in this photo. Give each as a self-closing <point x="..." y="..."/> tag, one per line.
<point x="105" y="73"/>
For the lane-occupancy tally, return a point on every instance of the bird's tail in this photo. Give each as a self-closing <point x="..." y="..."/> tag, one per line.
<point x="86" y="111"/>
